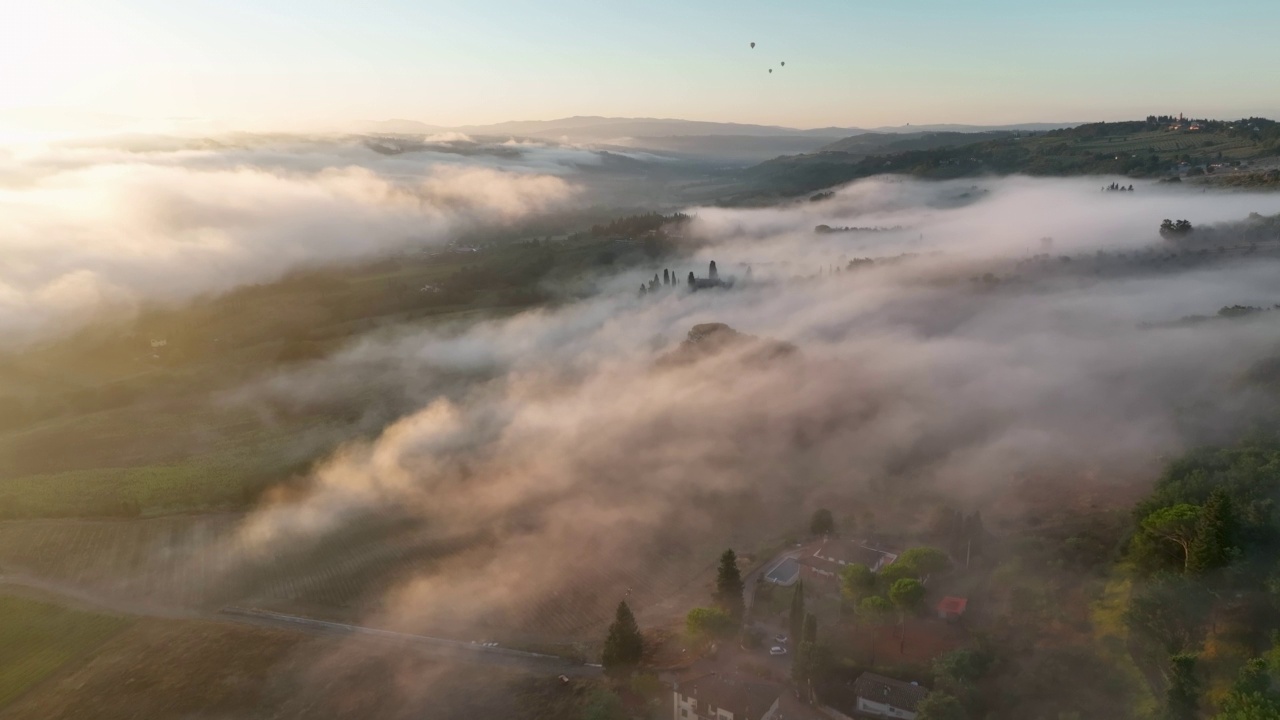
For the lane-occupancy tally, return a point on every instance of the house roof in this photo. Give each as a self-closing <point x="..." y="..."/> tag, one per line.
<point x="747" y="700"/>
<point x="845" y="552"/>
<point x="952" y="605"/>
<point x="878" y="688"/>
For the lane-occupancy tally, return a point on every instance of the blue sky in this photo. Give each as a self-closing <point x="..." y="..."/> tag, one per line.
<point x="292" y="64"/>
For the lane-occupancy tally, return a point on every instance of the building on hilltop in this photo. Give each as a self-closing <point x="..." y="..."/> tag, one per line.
<point x="721" y="697"/>
<point x="886" y="697"/>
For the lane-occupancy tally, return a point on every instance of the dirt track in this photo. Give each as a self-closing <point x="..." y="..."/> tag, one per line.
<point x="439" y="648"/>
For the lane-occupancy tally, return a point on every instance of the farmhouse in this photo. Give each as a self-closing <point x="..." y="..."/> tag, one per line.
<point x="886" y="697"/>
<point x="719" y="697"/>
<point x="826" y="562"/>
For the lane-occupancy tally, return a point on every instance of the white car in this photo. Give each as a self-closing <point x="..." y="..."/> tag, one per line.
<point x="777" y="650"/>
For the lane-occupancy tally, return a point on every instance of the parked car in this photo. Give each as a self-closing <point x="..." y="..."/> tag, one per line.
<point x="777" y="650"/>
<point x="780" y="639"/>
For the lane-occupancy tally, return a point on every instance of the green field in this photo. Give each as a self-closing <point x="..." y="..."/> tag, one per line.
<point x="37" y="639"/>
<point x="104" y="424"/>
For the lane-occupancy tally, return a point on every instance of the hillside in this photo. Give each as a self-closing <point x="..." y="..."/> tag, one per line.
<point x="1155" y="147"/>
<point x="875" y="142"/>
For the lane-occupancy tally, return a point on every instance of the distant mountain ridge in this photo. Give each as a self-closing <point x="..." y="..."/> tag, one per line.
<point x="590" y="127"/>
<point x="700" y="140"/>
<point x="605" y="128"/>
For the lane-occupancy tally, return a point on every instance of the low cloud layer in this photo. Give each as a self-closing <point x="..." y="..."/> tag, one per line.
<point x="87" y="231"/>
<point x="592" y="453"/>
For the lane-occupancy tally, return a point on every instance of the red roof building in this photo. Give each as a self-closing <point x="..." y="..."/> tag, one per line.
<point x="952" y="607"/>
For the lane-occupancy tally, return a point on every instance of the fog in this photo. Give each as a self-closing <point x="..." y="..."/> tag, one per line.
<point x="95" y="229"/>
<point x="593" y="454"/>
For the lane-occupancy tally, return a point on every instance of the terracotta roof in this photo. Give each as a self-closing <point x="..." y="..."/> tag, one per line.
<point x="747" y="700"/>
<point x="878" y="688"/>
<point x="952" y="605"/>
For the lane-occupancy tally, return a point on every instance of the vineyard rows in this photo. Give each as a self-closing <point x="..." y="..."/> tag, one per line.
<point x="37" y="638"/>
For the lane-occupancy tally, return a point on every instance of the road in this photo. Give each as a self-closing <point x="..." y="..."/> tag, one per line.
<point x="440" y="648"/>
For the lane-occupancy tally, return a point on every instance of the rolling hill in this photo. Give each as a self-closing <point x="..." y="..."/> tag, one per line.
<point x="1136" y="149"/>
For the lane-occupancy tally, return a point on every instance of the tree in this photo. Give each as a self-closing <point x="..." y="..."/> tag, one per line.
<point x="646" y="685"/>
<point x="810" y="661"/>
<point x="874" y="611"/>
<point x="857" y="582"/>
<point x="624" y="646"/>
<point x="796" y="620"/>
<point x="1212" y="546"/>
<point x="957" y="673"/>
<point x="704" y="623"/>
<point x="974" y="535"/>
<point x="939" y="705"/>
<point x="1170" y="229"/>
<point x="1252" y="696"/>
<point x="810" y="634"/>
<point x="907" y="595"/>
<point x="1169" y="610"/>
<point x="604" y="705"/>
<point x="822" y="523"/>
<point x="1177" y="524"/>
<point x="1182" y="698"/>
<point x="692" y="279"/>
<point x="924" y="561"/>
<point x="729" y="587"/>
<point x="893" y="572"/>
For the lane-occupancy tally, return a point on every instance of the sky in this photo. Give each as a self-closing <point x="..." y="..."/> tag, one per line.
<point x="292" y="65"/>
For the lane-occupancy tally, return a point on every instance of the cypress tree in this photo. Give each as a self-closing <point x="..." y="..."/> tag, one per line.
<point x="974" y="533"/>
<point x="796" y="625"/>
<point x="1182" y="700"/>
<point x="729" y="586"/>
<point x="666" y="280"/>
<point x="692" y="280"/>
<point x="624" y="646"/>
<point x="1211" y="547"/>
<point x="810" y="634"/>
<point x="712" y="272"/>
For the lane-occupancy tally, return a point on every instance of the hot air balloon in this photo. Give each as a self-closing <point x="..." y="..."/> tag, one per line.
<point x="770" y="71"/>
<point x="784" y="64"/>
<point x="753" y="45"/>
